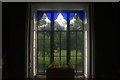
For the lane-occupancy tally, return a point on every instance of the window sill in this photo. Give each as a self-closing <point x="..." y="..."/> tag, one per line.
<point x="43" y="77"/>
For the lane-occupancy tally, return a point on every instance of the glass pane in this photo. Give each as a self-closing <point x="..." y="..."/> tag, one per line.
<point x="40" y="58"/>
<point x="47" y="60"/>
<point x="47" y="47"/>
<point x="73" y="40"/>
<point x="79" y="64"/>
<point x="78" y="60"/>
<point x="81" y="15"/>
<point x="75" y="22"/>
<point x="63" y="35"/>
<point x="73" y="53"/>
<point x="79" y="68"/>
<point x="56" y="53"/>
<point x="40" y="46"/>
<point x="60" y="22"/>
<point x="71" y="16"/>
<point x="40" y="52"/>
<point x="56" y="44"/>
<point x="48" y="14"/>
<point x="55" y="15"/>
<point x="44" y="23"/>
<point x="41" y="43"/>
<point x="57" y="35"/>
<point x="79" y="54"/>
<point x="57" y="60"/>
<point x="63" y="44"/>
<point x="46" y="66"/>
<point x="80" y="42"/>
<point x="47" y="52"/>
<point x="47" y="43"/>
<point x="47" y="35"/>
<point x="63" y="53"/>
<point x="40" y="68"/>
<point x="40" y="35"/>
<point x="73" y="60"/>
<point x="39" y="15"/>
<point x="63" y="60"/>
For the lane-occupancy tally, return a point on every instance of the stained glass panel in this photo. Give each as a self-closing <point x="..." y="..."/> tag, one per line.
<point x="75" y="21"/>
<point x="44" y="23"/>
<point x="60" y="22"/>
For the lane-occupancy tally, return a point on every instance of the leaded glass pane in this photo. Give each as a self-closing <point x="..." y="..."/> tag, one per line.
<point x="78" y="60"/>
<point x="73" y="41"/>
<point x="63" y="60"/>
<point x="63" y="48"/>
<point x="44" y="23"/>
<point x="80" y="42"/>
<point x="57" y="53"/>
<point x="60" y="23"/>
<point x="57" y="60"/>
<point x="75" y="22"/>
<point x="79" y="64"/>
<point x="73" y="53"/>
<point x="47" y="60"/>
<point x="73" y="60"/>
<point x="47" y="35"/>
<point x="57" y="35"/>
<point x="40" y="67"/>
<point x="40" y="58"/>
<point x="40" y="35"/>
<point x="79" y="68"/>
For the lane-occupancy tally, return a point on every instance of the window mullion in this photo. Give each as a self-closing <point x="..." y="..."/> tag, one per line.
<point x="52" y="39"/>
<point x="68" y="38"/>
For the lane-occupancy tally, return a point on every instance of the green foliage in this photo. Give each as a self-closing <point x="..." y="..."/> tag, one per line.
<point x="44" y="48"/>
<point x="63" y="59"/>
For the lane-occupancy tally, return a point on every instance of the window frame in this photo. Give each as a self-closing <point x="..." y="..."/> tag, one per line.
<point x="47" y="6"/>
<point x="68" y="38"/>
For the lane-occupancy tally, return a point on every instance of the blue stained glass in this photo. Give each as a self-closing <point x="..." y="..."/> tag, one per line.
<point x="55" y="15"/>
<point x="48" y="15"/>
<point x="39" y="16"/>
<point x="64" y="15"/>
<point x="81" y="15"/>
<point x="72" y="15"/>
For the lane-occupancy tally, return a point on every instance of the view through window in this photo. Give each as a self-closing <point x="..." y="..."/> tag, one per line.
<point x="60" y="39"/>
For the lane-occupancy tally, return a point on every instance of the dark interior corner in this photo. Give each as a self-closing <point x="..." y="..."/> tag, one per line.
<point x="106" y="36"/>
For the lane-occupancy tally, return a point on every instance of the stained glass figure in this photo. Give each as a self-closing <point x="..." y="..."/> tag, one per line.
<point x="60" y="23"/>
<point x="76" y="22"/>
<point x="44" y="23"/>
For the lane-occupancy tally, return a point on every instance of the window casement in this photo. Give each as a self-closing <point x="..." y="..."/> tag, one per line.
<point x="60" y="39"/>
<point x="59" y="33"/>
